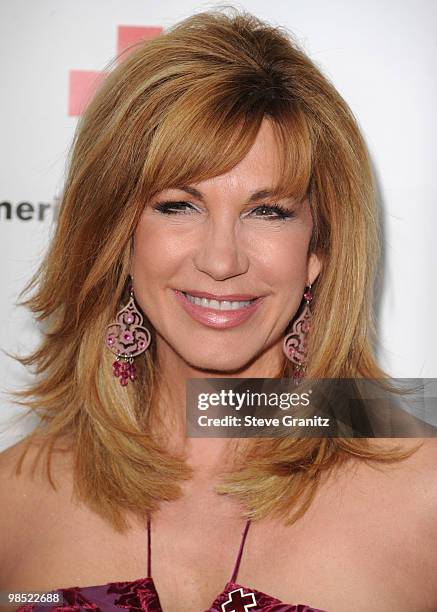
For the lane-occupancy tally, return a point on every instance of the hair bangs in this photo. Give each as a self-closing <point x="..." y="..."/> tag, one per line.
<point x="295" y="154"/>
<point x="206" y="133"/>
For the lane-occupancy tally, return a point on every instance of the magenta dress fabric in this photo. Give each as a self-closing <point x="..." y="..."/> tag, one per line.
<point x="141" y="595"/>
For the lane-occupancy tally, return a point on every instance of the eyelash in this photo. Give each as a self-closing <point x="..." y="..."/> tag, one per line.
<point x="283" y="213"/>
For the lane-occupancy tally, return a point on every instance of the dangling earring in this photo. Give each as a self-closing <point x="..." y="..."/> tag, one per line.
<point x="295" y="343"/>
<point x="126" y="338"/>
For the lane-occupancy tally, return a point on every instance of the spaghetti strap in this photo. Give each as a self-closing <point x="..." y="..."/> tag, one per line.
<point x="240" y="553"/>
<point x="237" y="563"/>
<point x="149" y="549"/>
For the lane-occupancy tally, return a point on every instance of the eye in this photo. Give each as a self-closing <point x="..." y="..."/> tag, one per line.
<point x="273" y="211"/>
<point x="173" y="208"/>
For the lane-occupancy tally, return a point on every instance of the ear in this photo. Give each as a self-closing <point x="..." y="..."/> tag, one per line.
<point x="314" y="267"/>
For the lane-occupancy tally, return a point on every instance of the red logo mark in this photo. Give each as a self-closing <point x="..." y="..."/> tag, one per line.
<point x="238" y="602"/>
<point x="83" y="83"/>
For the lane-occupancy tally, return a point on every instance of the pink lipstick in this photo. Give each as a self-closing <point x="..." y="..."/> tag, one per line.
<point x="216" y="318"/>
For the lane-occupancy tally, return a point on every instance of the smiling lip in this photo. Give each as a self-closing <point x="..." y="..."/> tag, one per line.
<point x="235" y="297"/>
<point x="218" y="319"/>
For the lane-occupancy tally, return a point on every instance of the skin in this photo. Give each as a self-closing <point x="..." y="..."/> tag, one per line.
<point x="221" y="245"/>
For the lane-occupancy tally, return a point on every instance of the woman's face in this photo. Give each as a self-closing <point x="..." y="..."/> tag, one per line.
<point x="221" y="237"/>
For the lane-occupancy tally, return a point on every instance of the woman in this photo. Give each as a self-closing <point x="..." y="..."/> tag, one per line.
<point x="219" y="194"/>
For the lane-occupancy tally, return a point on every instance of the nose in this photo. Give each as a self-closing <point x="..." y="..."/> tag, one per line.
<point x="222" y="252"/>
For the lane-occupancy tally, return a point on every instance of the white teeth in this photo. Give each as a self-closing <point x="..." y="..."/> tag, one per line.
<point x="216" y="304"/>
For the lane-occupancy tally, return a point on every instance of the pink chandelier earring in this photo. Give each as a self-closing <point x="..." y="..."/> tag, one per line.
<point x="126" y="338"/>
<point x="295" y="343"/>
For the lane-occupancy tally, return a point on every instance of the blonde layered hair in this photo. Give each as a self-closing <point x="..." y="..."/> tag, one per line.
<point x="179" y="109"/>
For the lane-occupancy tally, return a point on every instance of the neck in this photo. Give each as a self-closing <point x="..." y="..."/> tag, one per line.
<point x="206" y="456"/>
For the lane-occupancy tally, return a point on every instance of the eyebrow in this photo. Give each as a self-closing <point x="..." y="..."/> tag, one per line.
<point x="255" y="196"/>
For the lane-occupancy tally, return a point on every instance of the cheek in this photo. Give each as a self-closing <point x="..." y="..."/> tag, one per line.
<point x="285" y="256"/>
<point x="156" y="253"/>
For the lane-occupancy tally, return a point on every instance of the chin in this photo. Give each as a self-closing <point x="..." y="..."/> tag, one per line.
<point x="219" y="365"/>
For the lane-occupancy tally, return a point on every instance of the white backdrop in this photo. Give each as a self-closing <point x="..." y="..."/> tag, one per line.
<point x="381" y="56"/>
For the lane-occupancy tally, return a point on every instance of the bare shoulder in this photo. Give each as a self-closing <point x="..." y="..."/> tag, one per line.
<point x="14" y="496"/>
<point x="13" y="478"/>
<point x="25" y="460"/>
<point x="392" y="509"/>
<point x="417" y="473"/>
<point x="415" y="480"/>
<point x="421" y="468"/>
<point x="25" y="488"/>
<point x="406" y="488"/>
<point x="420" y="485"/>
<point x="422" y="462"/>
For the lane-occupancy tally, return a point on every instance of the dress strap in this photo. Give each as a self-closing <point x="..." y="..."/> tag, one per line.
<point x="237" y="563"/>
<point x="240" y="552"/>
<point x="149" y="548"/>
